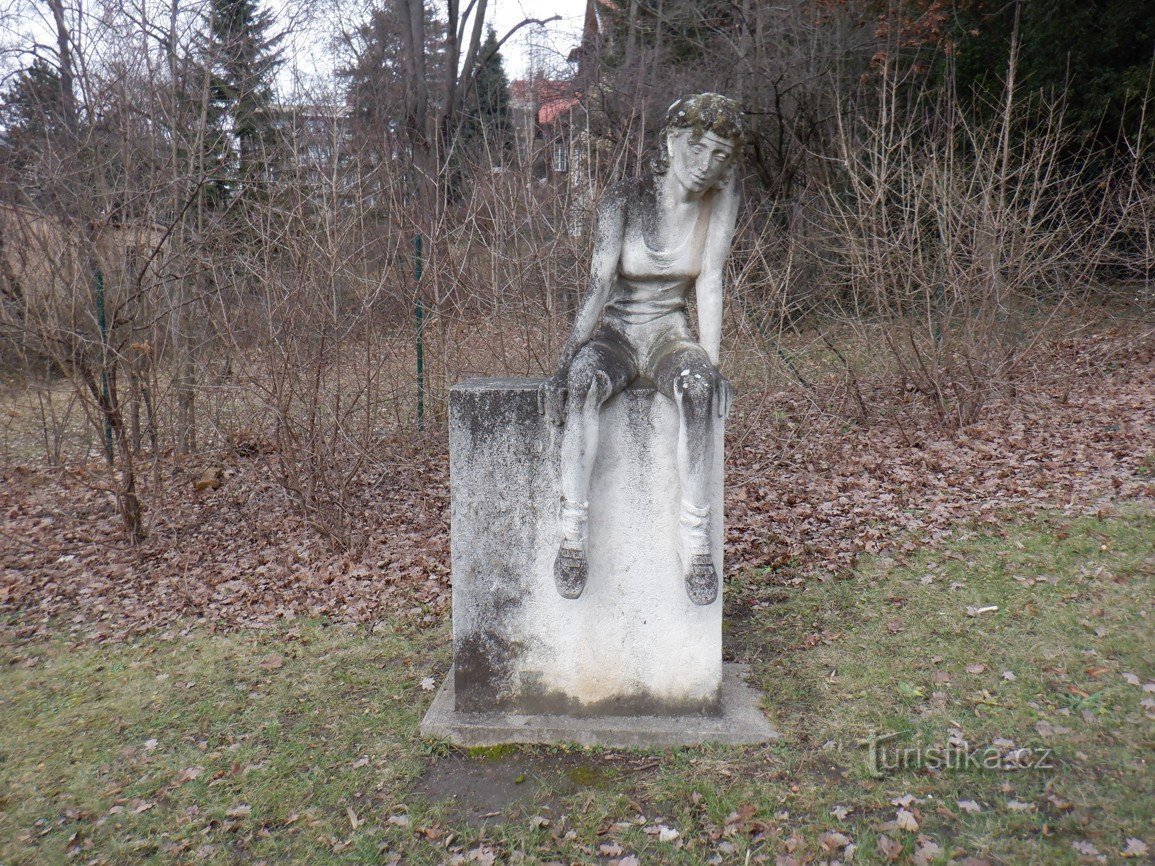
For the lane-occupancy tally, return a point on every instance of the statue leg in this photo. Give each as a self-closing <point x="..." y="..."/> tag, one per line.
<point x="601" y="369"/>
<point x="686" y="375"/>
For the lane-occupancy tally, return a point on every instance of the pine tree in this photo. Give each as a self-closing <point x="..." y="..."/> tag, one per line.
<point x="379" y="82"/>
<point x="488" y="116"/>
<point x="31" y="119"/>
<point x="243" y="57"/>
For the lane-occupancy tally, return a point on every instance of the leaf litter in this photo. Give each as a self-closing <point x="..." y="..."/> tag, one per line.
<point x="240" y="555"/>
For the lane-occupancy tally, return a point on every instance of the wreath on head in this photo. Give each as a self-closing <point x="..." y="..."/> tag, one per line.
<point x="702" y="113"/>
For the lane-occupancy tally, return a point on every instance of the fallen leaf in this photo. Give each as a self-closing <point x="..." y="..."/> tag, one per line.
<point x="429" y="684"/>
<point x="1132" y="679"/>
<point x="272" y="661"/>
<point x="241" y="811"/>
<point x="1135" y="848"/>
<point x="610" y="849"/>
<point x="667" y="834"/>
<point x="969" y="806"/>
<point x="889" y="849"/>
<point x="398" y="820"/>
<point x="976" y="668"/>
<point x="1017" y="806"/>
<point x="894" y="626"/>
<point x="1086" y="849"/>
<point x="484" y="855"/>
<point x="927" y="852"/>
<point x="979" y="611"/>
<point x="188" y="774"/>
<point x="210" y="479"/>
<point x="906" y="821"/>
<point x="1009" y="676"/>
<point x="833" y="841"/>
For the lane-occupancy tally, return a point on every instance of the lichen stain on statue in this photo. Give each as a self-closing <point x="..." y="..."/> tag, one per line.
<point x="657" y="240"/>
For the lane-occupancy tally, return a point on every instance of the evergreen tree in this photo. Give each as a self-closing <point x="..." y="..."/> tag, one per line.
<point x="487" y="119"/>
<point x="243" y="57"/>
<point x="32" y="118"/>
<point x="379" y="78"/>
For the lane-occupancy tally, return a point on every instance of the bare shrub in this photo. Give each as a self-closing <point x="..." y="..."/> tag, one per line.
<point x="952" y="244"/>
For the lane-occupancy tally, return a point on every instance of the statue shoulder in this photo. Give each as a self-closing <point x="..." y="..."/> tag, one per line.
<point x="631" y="194"/>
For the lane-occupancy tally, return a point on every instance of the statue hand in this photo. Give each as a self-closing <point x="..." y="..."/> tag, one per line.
<point x="551" y="398"/>
<point x="723" y="397"/>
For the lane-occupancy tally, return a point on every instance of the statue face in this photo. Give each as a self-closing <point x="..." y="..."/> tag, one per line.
<point x="699" y="163"/>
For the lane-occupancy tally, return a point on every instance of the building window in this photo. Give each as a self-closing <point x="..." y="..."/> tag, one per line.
<point x="560" y="157"/>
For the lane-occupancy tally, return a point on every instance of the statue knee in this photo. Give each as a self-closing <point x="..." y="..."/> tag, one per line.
<point x="586" y="382"/>
<point x="696" y="388"/>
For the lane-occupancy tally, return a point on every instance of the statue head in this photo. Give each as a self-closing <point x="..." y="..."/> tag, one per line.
<point x="701" y="140"/>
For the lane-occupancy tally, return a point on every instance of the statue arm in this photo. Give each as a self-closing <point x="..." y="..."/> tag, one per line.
<point x="708" y="286"/>
<point x="608" y="237"/>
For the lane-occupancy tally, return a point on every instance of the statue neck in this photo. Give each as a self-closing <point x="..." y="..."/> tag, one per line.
<point x="672" y="195"/>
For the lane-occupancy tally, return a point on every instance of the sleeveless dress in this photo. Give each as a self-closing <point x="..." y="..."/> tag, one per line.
<point x="647" y="306"/>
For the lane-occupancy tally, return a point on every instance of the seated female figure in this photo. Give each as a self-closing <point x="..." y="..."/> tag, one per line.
<point x="656" y="241"/>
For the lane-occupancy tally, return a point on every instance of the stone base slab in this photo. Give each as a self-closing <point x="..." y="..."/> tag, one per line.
<point x="741" y="723"/>
<point x="633" y="644"/>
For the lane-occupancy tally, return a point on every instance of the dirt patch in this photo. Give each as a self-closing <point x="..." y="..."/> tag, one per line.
<point x="492" y="786"/>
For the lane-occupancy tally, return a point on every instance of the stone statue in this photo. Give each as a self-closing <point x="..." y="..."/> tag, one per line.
<point x="656" y="240"/>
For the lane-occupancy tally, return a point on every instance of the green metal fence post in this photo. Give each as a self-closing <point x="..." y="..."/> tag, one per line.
<point x="102" y="323"/>
<point x="420" y="315"/>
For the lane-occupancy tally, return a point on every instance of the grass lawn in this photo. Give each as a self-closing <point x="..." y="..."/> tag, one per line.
<point x="300" y="744"/>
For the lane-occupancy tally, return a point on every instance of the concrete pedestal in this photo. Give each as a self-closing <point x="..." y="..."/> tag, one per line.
<point x="633" y="645"/>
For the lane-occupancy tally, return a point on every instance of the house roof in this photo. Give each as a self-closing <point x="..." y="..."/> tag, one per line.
<point x="555" y="108"/>
<point x="550" y="98"/>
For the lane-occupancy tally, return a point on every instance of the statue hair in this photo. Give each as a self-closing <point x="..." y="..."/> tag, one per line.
<point x="701" y="113"/>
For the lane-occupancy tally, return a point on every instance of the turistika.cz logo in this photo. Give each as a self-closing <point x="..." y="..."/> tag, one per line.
<point x="884" y="755"/>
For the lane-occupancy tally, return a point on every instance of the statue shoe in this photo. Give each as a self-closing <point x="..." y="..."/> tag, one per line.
<point x="701" y="579"/>
<point x="697" y="563"/>
<point x="570" y="571"/>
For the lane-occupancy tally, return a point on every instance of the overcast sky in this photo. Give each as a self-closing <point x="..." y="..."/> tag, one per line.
<point x="312" y="25"/>
<point x="551" y="43"/>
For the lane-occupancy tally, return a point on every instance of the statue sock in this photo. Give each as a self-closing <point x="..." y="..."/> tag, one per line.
<point x="570" y="569"/>
<point x="697" y="562"/>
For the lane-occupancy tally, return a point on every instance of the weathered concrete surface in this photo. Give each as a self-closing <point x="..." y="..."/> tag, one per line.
<point x="633" y="643"/>
<point x="740" y="722"/>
